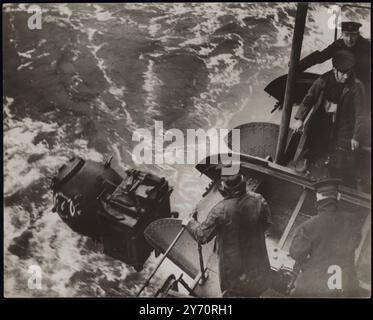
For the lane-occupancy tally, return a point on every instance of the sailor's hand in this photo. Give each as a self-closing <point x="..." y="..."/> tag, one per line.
<point x="354" y="144"/>
<point x="185" y="221"/>
<point x="194" y="215"/>
<point x="298" y="125"/>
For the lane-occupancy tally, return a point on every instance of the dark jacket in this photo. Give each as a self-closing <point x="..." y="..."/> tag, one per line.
<point x="352" y="98"/>
<point x="361" y="52"/>
<point x="239" y="224"/>
<point x="327" y="239"/>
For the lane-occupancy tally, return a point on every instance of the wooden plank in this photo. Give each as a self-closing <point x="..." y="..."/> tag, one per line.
<point x="292" y="219"/>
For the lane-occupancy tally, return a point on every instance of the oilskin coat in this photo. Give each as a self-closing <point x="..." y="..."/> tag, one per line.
<point x="327" y="239"/>
<point x="352" y="98"/>
<point x="239" y="224"/>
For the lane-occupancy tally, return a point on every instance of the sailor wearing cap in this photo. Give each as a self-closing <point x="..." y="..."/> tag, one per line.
<point x="336" y="124"/>
<point x="350" y="40"/>
<point x="239" y="222"/>
<point x="350" y="26"/>
<point x="324" y="246"/>
<point x="350" y="33"/>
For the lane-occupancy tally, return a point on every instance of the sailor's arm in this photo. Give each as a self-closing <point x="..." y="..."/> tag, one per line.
<point x="205" y="231"/>
<point x="358" y="101"/>
<point x="316" y="57"/>
<point x="309" y="100"/>
<point x="301" y="246"/>
<point x="265" y="213"/>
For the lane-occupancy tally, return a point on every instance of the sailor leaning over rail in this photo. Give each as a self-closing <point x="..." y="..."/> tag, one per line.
<point x="239" y="222"/>
<point x="324" y="248"/>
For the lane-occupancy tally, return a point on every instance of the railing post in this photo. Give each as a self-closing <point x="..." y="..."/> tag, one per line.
<point x="201" y="264"/>
<point x="296" y="47"/>
<point x="163" y="258"/>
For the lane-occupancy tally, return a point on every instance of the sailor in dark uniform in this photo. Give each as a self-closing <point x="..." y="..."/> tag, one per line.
<point x="335" y="128"/>
<point x="239" y="222"/>
<point x="324" y="248"/>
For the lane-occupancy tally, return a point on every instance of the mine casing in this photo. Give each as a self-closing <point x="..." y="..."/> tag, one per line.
<point x="137" y="201"/>
<point x="76" y="187"/>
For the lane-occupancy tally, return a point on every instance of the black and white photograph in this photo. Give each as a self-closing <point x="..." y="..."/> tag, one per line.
<point x="187" y="150"/>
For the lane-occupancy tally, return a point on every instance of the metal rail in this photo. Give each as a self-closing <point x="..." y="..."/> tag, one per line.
<point x="347" y="194"/>
<point x="201" y="276"/>
<point x="163" y="258"/>
<point x="200" y="256"/>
